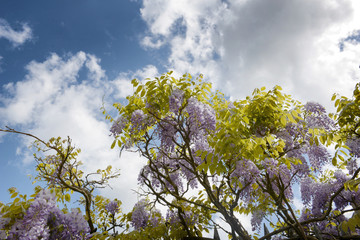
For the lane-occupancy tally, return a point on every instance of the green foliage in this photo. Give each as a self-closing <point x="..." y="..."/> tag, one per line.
<point x="246" y="129"/>
<point x="152" y="97"/>
<point x="348" y="120"/>
<point x="15" y="210"/>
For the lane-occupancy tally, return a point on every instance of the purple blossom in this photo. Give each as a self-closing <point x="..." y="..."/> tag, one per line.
<point x="271" y="166"/>
<point x="118" y="126"/>
<point x="147" y="173"/>
<point x="306" y="189"/>
<point x="285" y="177"/>
<point x="173" y="218"/>
<point x="34" y="224"/>
<point x="201" y="117"/>
<point x="43" y="220"/>
<point x="73" y="225"/>
<point x="352" y="166"/>
<point x="176" y="183"/>
<point x="176" y="100"/>
<point x="112" y="207"/>
<point x="246" y="172"/>
<point x="330" y="231"/>
<point x="342" y="200"/>
<point x="3" y="222"/>
<point x="256" y="219"/>
<point x="201" y="143"/>
<point x="155" y="218"/>
<point x="302" y="169"/>
<point x="315" y="108"/>
<point x="140" y="215"/>
<point x="318" y="156"/>
<point x="167" y="133"/>
<point x="320" y="193"/>
<point x="354" y="145"/>
<point x="188" y="172"/>
<point x="139" y="121"/>
<point x="318" y="117"/>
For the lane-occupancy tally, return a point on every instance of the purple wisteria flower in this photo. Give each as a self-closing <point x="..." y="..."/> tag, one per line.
<point x="306" y="189"/>
<point x="201" y="117"/>
<point x="352" y="166"/>
<point x="118" y="126"/>
<point x="176" y="100"/>
<point x="314" y="107"/>
<point x="245" y="173"/>
<point x="140" y="215"/>
<point x="256" y="219"/>
<point x="318" y="117"/>
<point x="3" y="222"/>
<point x="354" y="145"/>
<point x="44" y="220"/>
<point x="112" y="207"/>
<point x="139" y="121"/>
<point x="167" y="133"/>
<point x="318" y="156"/>
<point x="320" y="197"/>
<point x="173" y="218"/>
<point x="34" y="224"/>
<point x="155" y="218"/>
<point x="68" y="226"/>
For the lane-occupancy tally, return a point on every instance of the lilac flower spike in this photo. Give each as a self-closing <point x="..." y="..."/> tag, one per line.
<point x="118" y="126"/>
<point x="176" y="100"/>
<point x="140" y="215"/>
<point x="43" y="220"/>
<point x="112" y="207"/>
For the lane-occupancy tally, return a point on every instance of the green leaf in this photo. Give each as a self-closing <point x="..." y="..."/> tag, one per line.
<point x="212" y="169"/>
<point x="291" y="118"/>
<point x="203" y="155"/>
<point x="134" y="82"/>
<point x="246" y="119"/>
<point x="14" y="194"/>
<point x="283" y="120"/>
<point x="334" y="161"/>
<point x="67" y="197"/>
<point x="113" y="144"/>
<point x="139" y="88"/>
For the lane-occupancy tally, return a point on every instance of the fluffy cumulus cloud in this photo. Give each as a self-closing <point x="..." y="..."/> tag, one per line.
<point x="310" y="48"/>
<point x="62" y="96"/>
<point x="15" y="37"/>
<point x="123" y="86"/>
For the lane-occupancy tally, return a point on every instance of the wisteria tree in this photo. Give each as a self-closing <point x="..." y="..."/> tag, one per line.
<point x="210" y="156"/>
<point x="207" y="157"/>
<point x="40" y="216"/>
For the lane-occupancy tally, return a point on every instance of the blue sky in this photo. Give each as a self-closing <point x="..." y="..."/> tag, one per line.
<point x="58" y="59"/>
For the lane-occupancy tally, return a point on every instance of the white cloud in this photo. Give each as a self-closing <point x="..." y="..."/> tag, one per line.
<point x="123" y="82"/>
<point x="152" y="43"/>
<point x="240" y="45"/>
<point x="53" y="100"/>
<point x="95" y="71"/>
<point x="15" y="37"/>
<point x="42" y="85"/>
